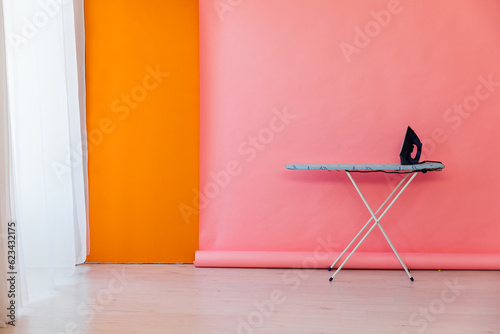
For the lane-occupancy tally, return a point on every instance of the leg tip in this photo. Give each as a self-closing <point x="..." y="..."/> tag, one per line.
<point x="411" y="278"/>
<point x="331" y="279"/>
<point x="330" y="269"/>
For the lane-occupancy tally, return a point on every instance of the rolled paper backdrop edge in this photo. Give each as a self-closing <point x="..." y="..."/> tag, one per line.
<point x="362" y="260"/>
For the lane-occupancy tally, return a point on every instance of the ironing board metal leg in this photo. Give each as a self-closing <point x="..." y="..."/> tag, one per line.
<point x="350" y="254"/>
<point x="368" y="222"/>
<point x="395" y="252"/>
<point x="377" y="220"/>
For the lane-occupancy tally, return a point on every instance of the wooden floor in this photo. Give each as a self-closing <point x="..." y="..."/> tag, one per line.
<point x="104" y="298"/>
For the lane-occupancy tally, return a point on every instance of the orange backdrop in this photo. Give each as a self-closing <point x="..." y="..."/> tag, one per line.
<point x="143" y="128"/>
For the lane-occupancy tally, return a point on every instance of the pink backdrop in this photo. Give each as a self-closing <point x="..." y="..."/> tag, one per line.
<point x="297" y="81"/>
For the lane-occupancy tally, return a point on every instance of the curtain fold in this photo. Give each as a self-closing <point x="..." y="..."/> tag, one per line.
<point x="6" y="203"/>
<point x="79" y="17"/>
<point x="46" y="104"/>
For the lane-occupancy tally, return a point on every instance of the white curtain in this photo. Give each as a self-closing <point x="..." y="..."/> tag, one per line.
<point x="7" y="203"/>
<point x="46" y="104"/>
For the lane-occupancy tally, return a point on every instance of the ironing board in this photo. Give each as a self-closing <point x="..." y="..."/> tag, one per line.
<point x="410" y="172"/>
